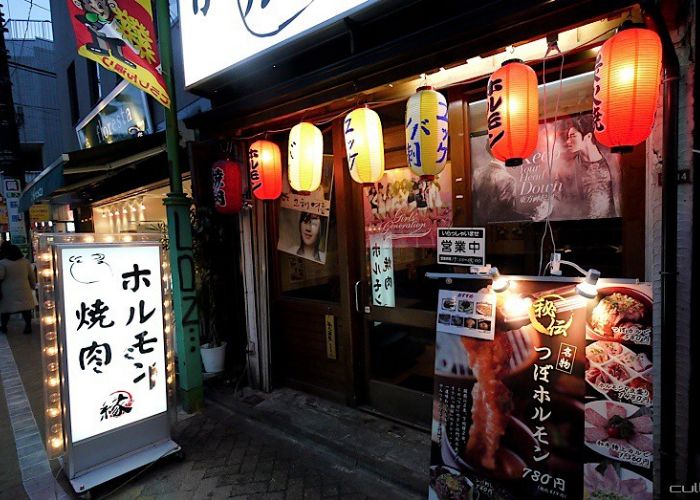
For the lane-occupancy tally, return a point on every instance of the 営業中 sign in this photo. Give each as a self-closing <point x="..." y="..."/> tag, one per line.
<point x="112" y="305"/>
<point x="464" y="246"/>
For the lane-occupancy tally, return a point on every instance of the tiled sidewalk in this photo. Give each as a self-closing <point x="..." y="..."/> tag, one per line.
<point x="226" y="455"/>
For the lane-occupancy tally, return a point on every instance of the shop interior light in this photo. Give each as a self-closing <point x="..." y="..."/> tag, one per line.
<point x="500" y="283"/>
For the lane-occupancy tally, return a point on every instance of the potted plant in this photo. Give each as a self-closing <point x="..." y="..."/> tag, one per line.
<point x="206" y="236"/>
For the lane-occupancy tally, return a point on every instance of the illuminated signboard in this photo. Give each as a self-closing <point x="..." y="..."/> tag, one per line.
<point x="114" y="336"/>
<point x="122" y="114"/>
<point x="109" y="373"/>
<point x="218" y="34"/>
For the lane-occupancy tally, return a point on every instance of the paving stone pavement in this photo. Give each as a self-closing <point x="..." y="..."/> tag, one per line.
<point x="228" y="457"/>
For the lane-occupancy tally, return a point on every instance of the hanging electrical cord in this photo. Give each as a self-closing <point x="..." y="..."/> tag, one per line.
<point x="551" y="47"/>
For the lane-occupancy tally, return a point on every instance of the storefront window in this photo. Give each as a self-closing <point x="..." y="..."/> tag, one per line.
<point x="141" y="212"/>
<point x="307" y="241"/>
<point x="402" y="212"/>
<point x="570" y="179"/>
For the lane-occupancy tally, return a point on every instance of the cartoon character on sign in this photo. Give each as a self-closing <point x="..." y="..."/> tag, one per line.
<point x="101" y="22"/>
<point x="263" y="18"/>
<point x="89" y="269"/>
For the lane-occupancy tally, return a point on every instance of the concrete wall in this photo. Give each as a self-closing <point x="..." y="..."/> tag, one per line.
<point x="682" y="34"/>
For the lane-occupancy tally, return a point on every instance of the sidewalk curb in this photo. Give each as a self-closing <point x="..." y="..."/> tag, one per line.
<point x="413" y="483"/>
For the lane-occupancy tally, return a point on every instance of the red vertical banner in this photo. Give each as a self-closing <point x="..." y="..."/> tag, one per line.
<point x="120" y="36"/>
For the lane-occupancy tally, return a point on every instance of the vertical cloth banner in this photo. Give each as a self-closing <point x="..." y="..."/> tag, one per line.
<point x="119" y="35"/>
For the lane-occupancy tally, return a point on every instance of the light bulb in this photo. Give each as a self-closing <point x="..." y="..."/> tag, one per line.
<point x="500" y="283"/>
<point x="57" y="443"/>
<point x="588" y="288"/>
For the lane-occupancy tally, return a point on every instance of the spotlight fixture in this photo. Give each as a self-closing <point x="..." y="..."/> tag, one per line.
<point x="588" y="288"/>
<point x="500" y="283"/>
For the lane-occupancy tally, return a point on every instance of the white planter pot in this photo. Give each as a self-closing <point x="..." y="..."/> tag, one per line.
<point x="213" y="358"/>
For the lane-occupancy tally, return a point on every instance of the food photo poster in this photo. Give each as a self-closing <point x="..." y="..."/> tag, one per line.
<point x="557" y="405"/>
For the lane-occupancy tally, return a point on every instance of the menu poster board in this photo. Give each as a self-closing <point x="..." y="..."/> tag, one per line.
<point x="465" y="313"/>
<point x="112" y="302"/>
<point x="557" y="405"/>
<point x="408" y="209"/>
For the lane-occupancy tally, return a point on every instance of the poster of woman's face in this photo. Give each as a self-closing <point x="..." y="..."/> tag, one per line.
<point x="584" y="182"/>
<point x="304" y="219"/>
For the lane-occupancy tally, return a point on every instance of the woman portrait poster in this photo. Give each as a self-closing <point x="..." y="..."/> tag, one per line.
<point x="304" y="219"/>
<point x="584" y="181"/>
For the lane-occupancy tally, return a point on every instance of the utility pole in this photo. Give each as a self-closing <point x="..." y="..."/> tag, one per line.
<point x="180" y="238"/>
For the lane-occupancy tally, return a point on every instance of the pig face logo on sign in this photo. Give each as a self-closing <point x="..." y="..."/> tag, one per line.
<point x="263" y="18"/>
<point x="90" y="269"/>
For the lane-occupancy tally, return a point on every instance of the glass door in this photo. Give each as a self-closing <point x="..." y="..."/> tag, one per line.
<point x="398" y="218"/>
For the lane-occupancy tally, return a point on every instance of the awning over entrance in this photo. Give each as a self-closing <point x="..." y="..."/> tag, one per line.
<point x="71" y="172"/>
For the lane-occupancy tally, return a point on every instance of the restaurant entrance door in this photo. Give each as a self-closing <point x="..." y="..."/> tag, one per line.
<point x="397" y="218"/>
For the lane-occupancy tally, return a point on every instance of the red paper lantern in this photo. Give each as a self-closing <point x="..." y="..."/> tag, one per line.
<point x="265" y="170"/>
<point x="226" y="177"/>
<point x="512" y="112"/>
<point x="626" y="88"/>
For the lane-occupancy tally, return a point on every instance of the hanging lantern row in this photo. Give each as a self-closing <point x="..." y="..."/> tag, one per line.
<point x="364" y="145"/>
<point x="426" y="132"/>
<point x="626" y="87"/>
<point x="265" y="170"/>
<point x="626" y="91"/>
<point x="512" y="112"/>
<point x="226" y="177"/>
<point x="305" y="157"/>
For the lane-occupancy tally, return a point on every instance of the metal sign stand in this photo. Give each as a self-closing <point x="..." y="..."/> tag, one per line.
<point x="103" y="423"/>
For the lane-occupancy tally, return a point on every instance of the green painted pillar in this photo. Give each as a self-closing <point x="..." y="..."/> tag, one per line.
<point x="180" y="239"/>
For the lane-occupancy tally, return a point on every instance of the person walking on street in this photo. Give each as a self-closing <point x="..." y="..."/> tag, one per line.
<point x="17" y="283"/>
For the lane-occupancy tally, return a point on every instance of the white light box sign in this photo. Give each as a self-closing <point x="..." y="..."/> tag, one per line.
<point x="115" y="352"/>
<point x="218" y="34"/>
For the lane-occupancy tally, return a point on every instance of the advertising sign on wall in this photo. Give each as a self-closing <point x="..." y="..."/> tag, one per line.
<point x="408" y="209"/>
<point x="557" y="405"/>
<point x="123" y="114"/>
<point x="382" y="271"/>
<point x="462" y="246"/>
<point x="112" y="305"/>
<point x="240" y="29"/>
<point x="584" y="182"/>
<point x="304" y="220"/>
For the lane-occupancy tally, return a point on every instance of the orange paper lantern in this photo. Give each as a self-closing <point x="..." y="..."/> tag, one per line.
<point x="512" y="112"/>
<point x="265" y="170"/>
<point x="626" y="88"/>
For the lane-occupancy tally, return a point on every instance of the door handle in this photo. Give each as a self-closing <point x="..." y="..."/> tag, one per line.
<point x="357" y="297"/>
